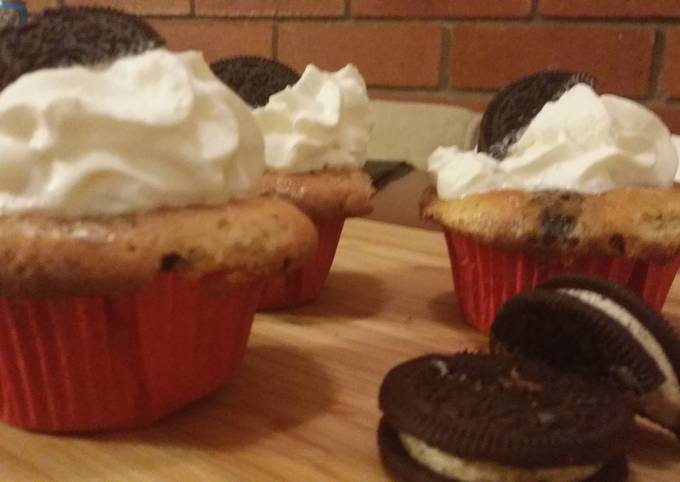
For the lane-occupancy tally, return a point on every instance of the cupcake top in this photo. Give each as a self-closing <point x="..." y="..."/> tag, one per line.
<point x="580" y="142"/>
<point x="586" y="175"/>
<point x="146" y="131"/>
<point x="321" y="122"/>
<point x="121" y="161"/>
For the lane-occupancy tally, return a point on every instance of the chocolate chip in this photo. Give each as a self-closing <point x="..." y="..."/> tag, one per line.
<point x="555" y="227"/>
<point x="287" y="263"/>
<point x="559" y="213"/>
<point x="617" y="242"/>
<point x="170" y="261"/>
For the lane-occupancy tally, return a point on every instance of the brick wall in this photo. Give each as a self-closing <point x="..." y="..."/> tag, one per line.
<point x="457" y="51"/>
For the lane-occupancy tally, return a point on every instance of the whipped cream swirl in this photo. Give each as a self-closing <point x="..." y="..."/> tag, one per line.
<point x="148" y="131"/>
<point x="323" y="121"/>
<point x="581" y="142"/>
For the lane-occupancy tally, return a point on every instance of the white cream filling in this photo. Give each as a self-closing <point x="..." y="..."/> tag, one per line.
<point x="663" y="403"/>
<point x="464" y="470"/>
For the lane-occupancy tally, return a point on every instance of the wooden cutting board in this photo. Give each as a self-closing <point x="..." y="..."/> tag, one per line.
<point x="303" y="406"/>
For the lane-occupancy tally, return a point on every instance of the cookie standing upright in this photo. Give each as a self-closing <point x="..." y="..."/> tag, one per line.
<point x="255" y="79"/>
<point x="511" y="111"/>
<point x="467" y="417"/>
<point x="72" y="36"/>
<point x="601" y="331"/>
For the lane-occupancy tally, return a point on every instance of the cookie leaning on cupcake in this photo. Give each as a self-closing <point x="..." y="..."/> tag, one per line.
<point x="601" y="331"/>
<point x="316" y="130"/>
<point x="584" y="185"/>
<point x="134" y="242"/>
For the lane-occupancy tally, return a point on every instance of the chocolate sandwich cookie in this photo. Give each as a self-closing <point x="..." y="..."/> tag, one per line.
<point x="512" y="109"/>
<point x="254" y="79"/>
<point x="67" y="36"/>
<point x="471" y="417"/>
<point x="599" y="330"/>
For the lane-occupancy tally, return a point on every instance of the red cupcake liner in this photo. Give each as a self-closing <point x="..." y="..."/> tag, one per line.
<point x="653" y="280"/>
<point x="305" y="284"/>
<point x="79" y="364"/>
<point x="485" y="277"/>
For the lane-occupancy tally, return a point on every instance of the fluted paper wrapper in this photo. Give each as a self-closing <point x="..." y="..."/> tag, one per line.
<point x="653" y="280"/>
<point x="485" y="276"/>
<point x="108" y="362"/>
<point x="305" y="284"/>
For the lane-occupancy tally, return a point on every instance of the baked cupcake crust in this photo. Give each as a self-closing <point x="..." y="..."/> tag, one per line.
<point x="323" y="194"/>
<point x="633" y="222"/>
<point x="244" y="240"/>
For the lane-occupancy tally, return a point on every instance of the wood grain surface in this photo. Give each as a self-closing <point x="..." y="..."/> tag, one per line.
<point x="303" y="406"/>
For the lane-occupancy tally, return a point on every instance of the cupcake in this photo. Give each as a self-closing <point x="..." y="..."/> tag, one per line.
<point x="316" y="136"/>
<point x="564" y="180"/>
<point x="134" y="241"/>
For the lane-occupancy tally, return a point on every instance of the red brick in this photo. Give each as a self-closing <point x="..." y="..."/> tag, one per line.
<point x="271" y="8"/>
<point x="670" y="115"/>
<point x="441" y="8"/>
<point x="671" y="64"/>
<point x="611" y="8"/>
<point x="217" y="38"/>
<point x="489" y="56"/>
<point x="142" y="7"/>
<point x="387" y="54"/>
<point x="34" y="6"/>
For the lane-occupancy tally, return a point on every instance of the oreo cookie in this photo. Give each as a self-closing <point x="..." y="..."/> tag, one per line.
<point x="446" y="417"/>
<point x="512" y="109"/>
<point x="70" y="36"/>
<point x="599" y="330"/>
<point x="405" y="469"/>
<point x="254" y="79"/>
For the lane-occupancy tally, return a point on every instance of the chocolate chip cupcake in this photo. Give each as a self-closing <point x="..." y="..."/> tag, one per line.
<point x="134" y="241"/>
<point x="564" y="180"/>
<point x="316" y="130"/>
